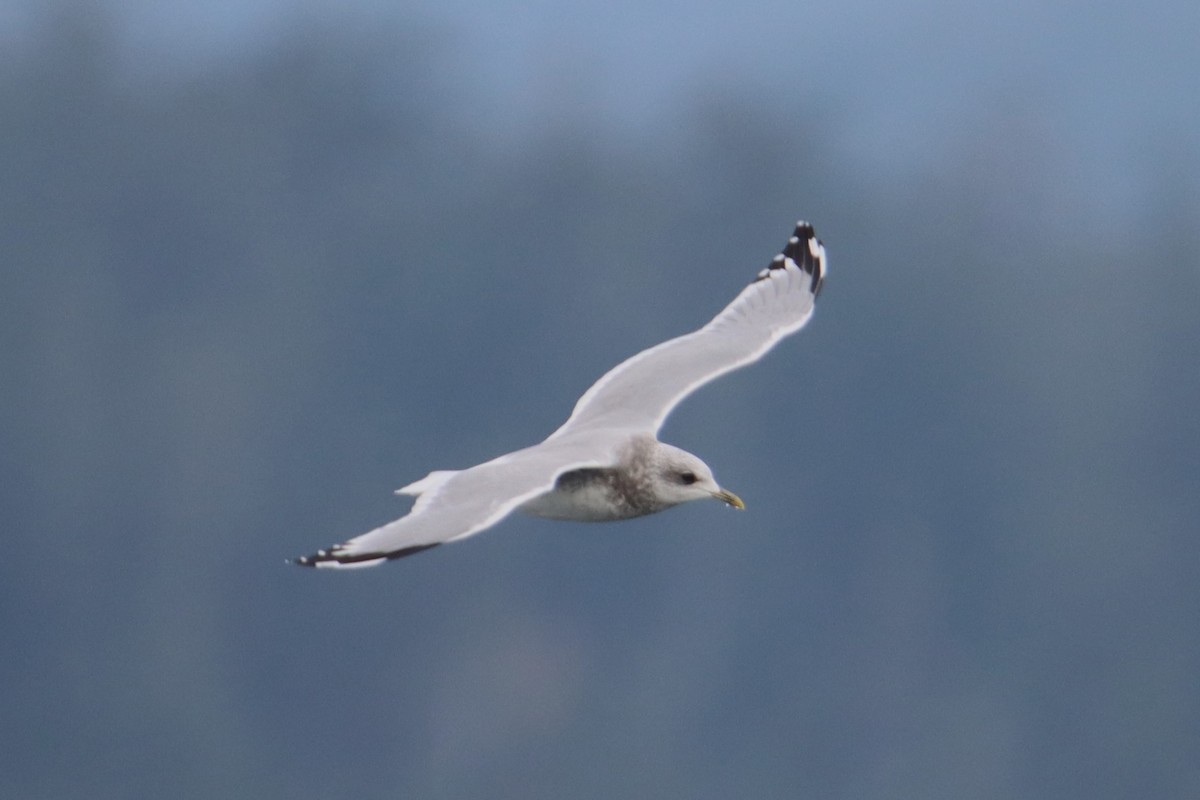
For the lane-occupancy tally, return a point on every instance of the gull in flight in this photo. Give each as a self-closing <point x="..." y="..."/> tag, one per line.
<point x="605" y="462"/>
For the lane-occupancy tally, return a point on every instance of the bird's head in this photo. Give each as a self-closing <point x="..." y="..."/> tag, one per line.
<point x="681" y="477"/>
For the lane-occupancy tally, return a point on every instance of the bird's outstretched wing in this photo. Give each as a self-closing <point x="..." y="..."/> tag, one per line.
<point x="460" y="504"/>
<point x="639" y="393"/>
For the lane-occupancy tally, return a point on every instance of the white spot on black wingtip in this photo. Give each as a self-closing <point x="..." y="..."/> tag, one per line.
<point x="805" y="250"/>
<point x="315" y="560"/>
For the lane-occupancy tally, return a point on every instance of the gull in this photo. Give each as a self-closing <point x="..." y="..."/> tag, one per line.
<point x="605" y="462"/>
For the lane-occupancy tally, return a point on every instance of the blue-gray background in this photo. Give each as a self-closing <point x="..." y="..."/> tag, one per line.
<point x="263" y="262"/>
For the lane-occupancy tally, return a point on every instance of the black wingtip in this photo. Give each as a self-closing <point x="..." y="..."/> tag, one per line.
<point x="326" y="557"/>
<point x="806" y="251"/>
<point x="313" y="559"/>
<point x="322" y="557"/>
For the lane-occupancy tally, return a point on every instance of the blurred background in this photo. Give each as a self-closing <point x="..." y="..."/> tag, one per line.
<point x="265" y="261"/>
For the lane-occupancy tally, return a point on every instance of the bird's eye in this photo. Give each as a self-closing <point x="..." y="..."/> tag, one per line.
<point x="688" y="478"/>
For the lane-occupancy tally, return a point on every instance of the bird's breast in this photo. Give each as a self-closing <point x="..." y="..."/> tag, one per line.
<point x="592" y="495"/>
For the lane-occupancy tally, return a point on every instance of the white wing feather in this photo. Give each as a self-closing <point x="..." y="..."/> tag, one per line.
<point x="466" y="502"/>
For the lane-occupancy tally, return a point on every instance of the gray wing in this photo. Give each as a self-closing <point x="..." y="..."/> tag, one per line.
<point x="639" y="393"/>
<point x="454" y="505"/>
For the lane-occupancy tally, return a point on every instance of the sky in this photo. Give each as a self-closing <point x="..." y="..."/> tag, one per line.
<point x="268" y="261"/>
<point x="895" y="74"/>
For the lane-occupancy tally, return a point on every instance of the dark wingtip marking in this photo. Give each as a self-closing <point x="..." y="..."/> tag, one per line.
<point x="322" y="556"/>
<point x="799" y="249"/>
<point x="311" y="560"/>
